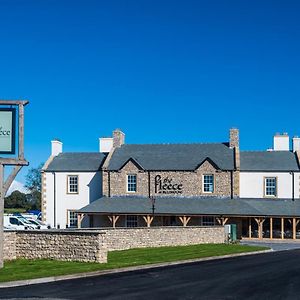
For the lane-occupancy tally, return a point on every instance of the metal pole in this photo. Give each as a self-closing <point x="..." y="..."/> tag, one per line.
<point x="21" y="132"/>
<point x="1" y="214"/>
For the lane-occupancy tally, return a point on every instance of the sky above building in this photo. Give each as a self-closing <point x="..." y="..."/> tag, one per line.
<point x="162" y="71"/>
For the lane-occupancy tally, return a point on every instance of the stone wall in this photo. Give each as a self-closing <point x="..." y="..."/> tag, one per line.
<point x="86" y="246"/>
<point x="92" y="245"/>
<point x="191" y="181"/>
<point x="120" y="239"/>
<point x="10" y="242"/>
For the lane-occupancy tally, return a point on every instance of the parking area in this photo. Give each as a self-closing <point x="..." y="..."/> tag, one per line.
<point x="275" y="245"/>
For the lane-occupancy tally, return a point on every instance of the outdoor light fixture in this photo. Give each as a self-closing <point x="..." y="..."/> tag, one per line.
<point x="152" y="199"/>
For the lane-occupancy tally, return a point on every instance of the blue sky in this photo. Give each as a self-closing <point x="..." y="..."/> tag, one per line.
<point x="162" y="71"/>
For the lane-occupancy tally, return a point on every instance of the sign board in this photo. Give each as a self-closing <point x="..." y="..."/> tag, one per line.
<point x="7" y="130"/>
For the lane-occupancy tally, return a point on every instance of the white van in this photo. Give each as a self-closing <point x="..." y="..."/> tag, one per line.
<point x="14" y="222"/>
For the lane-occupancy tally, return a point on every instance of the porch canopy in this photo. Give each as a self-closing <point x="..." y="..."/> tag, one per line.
<point x="131" y="205"/>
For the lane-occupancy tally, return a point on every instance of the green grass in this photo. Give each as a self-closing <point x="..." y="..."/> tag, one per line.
<point x="14" y="210"/>
<point x="27" y="269"/>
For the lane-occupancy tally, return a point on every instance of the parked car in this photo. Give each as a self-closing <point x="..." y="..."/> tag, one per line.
<point x="14" y="222"/>
<point x="38" y="223"/>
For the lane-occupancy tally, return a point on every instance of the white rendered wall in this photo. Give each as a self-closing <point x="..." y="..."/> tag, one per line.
<point x="105" y="144"/>
<point x="281" y="143"/>
<point x="252" y="184"/>
<point x="90" y="189"/>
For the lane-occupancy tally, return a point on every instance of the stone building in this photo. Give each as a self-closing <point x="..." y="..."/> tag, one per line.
<point x="189" y="184"/>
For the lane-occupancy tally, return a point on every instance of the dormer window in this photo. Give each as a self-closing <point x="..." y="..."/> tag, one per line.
<point x="208" y="183"/>
<point x="131" y="183"/>
<point x="270" y="187"/>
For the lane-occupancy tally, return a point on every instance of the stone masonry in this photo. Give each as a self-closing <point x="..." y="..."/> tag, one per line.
<point x="120" y="239"/>
<point x="85" y="246"/>
<point x="92" y="246"/>
<point x="191" y="181"/>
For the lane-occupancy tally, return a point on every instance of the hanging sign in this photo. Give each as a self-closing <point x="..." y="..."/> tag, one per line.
<point x="7" y="130"/>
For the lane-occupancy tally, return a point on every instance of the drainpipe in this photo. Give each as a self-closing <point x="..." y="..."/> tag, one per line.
<point x="293" y="186"/>
<point x="149" y="187"/>
<point x="54" y="199"/>
<point x="108" y="184"/>
<point x="231" y="185"/>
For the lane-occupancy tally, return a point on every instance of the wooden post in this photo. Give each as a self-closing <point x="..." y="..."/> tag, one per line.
<point x="113" y="219"/>
<point x="271" y="228"/>
<point x="282" y="228"/>
<point x="260" y="222"/>
<point x="184" y="220"/>
<point x="1" y="214"/>
<point x="148" y="219"/>
<point x="222" y="221"/>
<point x="294" y="228"/>
<point x="17" y="162"/>
<point x="249" y="228"/>
<point x="79" y="220"/>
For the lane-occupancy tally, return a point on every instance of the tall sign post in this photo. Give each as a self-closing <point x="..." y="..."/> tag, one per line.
<point x="11" y="117"/>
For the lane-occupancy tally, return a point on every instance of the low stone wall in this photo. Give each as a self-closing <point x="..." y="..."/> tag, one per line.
<point x="87" y="246"/>
<point x="92" y="245"/>
<point x="9" y="246"/>
<point x="126" y="238"/>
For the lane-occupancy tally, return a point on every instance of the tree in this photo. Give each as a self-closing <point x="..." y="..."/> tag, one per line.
<point x="16" y="200"/>
<point x="33" y="179"/>
<point x="34" y="185"/>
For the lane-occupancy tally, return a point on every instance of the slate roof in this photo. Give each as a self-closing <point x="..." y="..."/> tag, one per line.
<point x="77" y="161"/>
<point x="195" y="206"/>
<point x="268" y="161"/>
<point x="179" y="157"/>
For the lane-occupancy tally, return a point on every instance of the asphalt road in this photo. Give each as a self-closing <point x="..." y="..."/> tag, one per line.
<point x="273" y="275"/>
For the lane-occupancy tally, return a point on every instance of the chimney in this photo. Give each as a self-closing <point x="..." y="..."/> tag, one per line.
<point x="296" y="143"/>
<point x="281" y="142"/>
<point x="234" y="138"/>
<point x="105" y="144"/>
<point x="118" y="138"/>
<point x="234" y="143"/>
<point x="56" y="147"/>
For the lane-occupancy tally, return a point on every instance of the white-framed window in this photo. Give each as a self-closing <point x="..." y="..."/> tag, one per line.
<point x="270" y="186"/>
<point x="131" y="221"/>
<point x="208" y="221"/>
<point x="72" y="219"/>
<point x="208" y="183"/>
<point x="131" y="183"/>
<point x="72" y="184"/>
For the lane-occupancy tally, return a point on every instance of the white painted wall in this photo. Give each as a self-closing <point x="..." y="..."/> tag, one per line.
<point x="281" y="142"/>
<point x="252" y="184"/>
<point x="90" y="189"/>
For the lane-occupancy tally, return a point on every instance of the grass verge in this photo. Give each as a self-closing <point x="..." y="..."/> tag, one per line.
<point x="21" y="269"/>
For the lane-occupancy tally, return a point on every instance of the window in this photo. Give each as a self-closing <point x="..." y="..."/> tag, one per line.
<point x="14" y="221"/>
<point x="208" y="221"/>
<point x="208" y="183"/>
<point x="270" y="186"/>
<point x="131" y="183"/>
<point x="72" y="219"/>
<point x="131" y="221"/>
<point x="72" y="184"/>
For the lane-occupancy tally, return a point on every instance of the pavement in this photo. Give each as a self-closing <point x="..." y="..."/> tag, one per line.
<point x="273" y="275"/>
<point x="274" y="245"/>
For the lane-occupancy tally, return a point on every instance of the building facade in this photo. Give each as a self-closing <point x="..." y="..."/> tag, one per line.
<point x="177" y="184"/>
